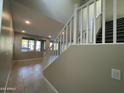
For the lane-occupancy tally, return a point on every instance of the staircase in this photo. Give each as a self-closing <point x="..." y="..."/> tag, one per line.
<point x="84" y="28"/>
<point x="109" y="32"/>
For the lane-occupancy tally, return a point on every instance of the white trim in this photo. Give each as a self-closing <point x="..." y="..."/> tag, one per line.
<point x="50" y="85"/>
<point x="100" y="44"/>
<point x="56" y="58"/>
<point x="84" y="44"/>
<point x="28" y="59"/>
<point x="85" y="5"/>
<point x="44" y="68"/>
<point x="7" y="81"/>
<point x="71" y="18"/>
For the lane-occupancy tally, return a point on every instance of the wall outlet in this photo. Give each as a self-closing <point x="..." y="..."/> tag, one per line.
<point x="116" y="74"/>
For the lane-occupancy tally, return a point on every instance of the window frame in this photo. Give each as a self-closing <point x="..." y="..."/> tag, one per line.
<point x="42" y="45"/>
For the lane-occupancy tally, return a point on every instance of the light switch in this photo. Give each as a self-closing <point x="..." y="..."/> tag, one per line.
<point x="116" y="74"/>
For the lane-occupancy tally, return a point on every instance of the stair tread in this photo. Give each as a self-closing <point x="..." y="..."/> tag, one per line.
<point x="118" y="34"/>
<point x="109" y="31"/>
<point x="118" y="27"/>
<point x="118" y="23"/>
<point x="118" y="30"/>
<point x="119" y="20"/>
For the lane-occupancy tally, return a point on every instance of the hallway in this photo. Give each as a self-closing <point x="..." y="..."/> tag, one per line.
<point x="28" y="79"/>
<point x="61" y="46"/>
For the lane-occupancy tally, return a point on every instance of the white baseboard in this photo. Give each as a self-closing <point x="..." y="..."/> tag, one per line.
<point x="51" y="86"/>
<point x="7" y="81"/>
<point x="28" y="59"/>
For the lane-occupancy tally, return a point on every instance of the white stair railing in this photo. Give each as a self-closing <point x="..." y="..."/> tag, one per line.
<point x="81" y="28"/>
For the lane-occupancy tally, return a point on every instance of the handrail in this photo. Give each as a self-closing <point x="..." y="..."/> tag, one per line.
<point x="85" y="5"/>
<point x="71" y="34"/>
<point x="65" y="25"/>
<point x="78" y="8"/>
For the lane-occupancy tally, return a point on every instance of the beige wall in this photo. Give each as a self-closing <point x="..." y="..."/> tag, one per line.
<point x="87" y="69"/>
<point x="18" y="55"/>
<point x="6" y="42"/>
<point x="109" y="9"/>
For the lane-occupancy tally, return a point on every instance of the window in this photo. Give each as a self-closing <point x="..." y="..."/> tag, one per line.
<point x="38" y="46"/>
<point x="44" y="45"/>
<point x="56" y="47"/>
<point x="27" y="45"/>
<point x="51" y="45"/>
<point x="31" y="45"/>
<point x="24" y="47"/>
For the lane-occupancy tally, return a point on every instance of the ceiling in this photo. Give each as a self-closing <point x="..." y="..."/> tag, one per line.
<point x="46" y="16"/>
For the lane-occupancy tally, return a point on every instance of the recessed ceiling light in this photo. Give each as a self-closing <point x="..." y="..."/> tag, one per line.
<point x="49" y="36"/>
<point x="27" y="22"/>
<point x="23" y="31"/>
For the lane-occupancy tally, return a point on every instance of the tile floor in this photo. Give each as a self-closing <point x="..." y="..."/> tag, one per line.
<point x="28" y="79"/>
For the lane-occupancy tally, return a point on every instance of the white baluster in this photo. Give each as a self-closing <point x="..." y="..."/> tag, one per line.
<point x="114" y="21"/>
<point x="103" y="20"/>
<point x="70" y="32"/>
<point x="81" y="32"/>
<point x="87" y="33"/>
<point x="75" y="24"/>
<point x="94" y="32"/>
<point x="54" y="49"/>
<point x="63" y="40"/>
<point x="60" y="43"/>
<point x="67" y="36"/>
<point x="57" y="46"/>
